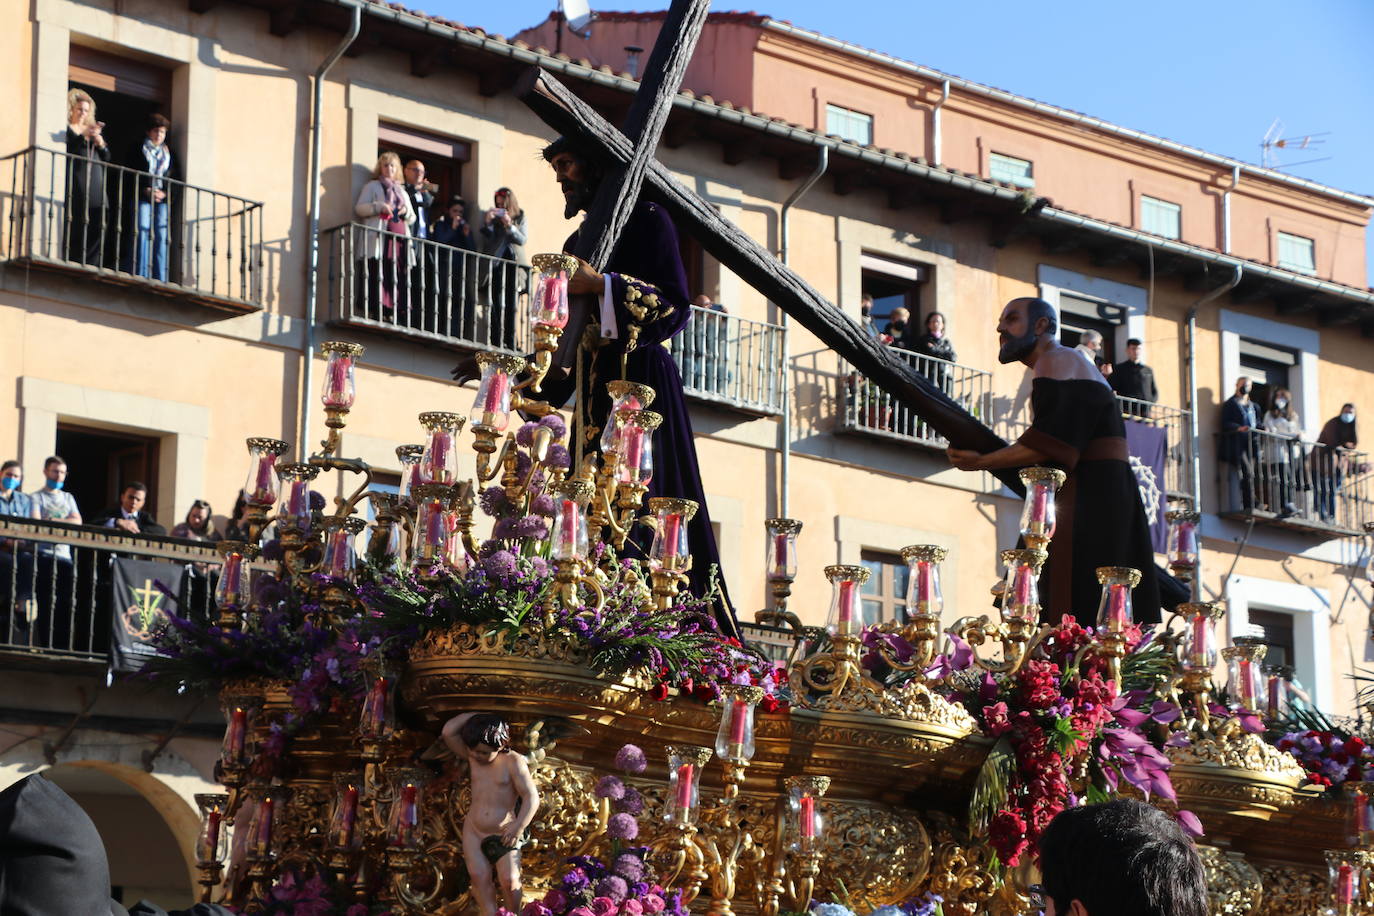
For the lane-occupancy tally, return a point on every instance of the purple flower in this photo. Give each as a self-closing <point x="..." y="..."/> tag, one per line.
<point x="574" y="881"/>
<point x="612" y="886"/>
<point x="525" y="434"/>
<point x="554" y="423"/>
<point x="629" y="866"/>
<point x="559" y="457"/>
<point x="500" y="564"/>
<point x="533" y="527"/>
<point x="1190" y="823"/>
<point x="631" y="759"/>
<point x="505" y="529"/>
<point x="622" y="827"/>
<point x="542" y="505"/>
<point x="610" y="787"/>
<point x="632" y="803"/>
<point x="493" y="501"/>
<point x="959" y="659"/>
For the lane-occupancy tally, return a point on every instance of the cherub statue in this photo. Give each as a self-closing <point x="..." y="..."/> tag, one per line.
<point x="504" y="802"/>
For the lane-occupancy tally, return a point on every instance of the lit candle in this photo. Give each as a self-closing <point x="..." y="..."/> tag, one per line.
<point x="237" y="737"/>
<point x="338" y="393"/>
<point x="348" y="817"/>
<point x="1116" y="607"/>
<point x="374" y="719"/>
<point x="685" y="774"/>
<point x="1345" y="884"/>
<point x="849" y="606"/>
<point x="672" y="531"/>
<point x="262" y="842"/>
<point x="209" y="851"/>
<point x="408" y="818"/>
<point x="807" y="817"/>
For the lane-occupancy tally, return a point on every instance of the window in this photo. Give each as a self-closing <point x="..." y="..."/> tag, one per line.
<point x="1276" y="629"/>
<point x="851" y="125"/>
<point x="101" y="462"/>
<point x="1010" y="170"/>
<point x="1297" y="254"/>
<point x="1159" y="217"/>
<point x="893" y="284"/>
<point x="443" y="158"/>
<point x="1078" y="314"/>
<point x="884" y="594"/>
<point x="1268" y="368"/>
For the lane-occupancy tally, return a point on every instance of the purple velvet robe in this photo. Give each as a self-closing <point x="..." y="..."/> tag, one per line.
<point x="649" y="291"/>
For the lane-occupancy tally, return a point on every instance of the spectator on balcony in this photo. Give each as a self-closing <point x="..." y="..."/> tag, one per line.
<point x="1133" y="379"/>
<point x="457" y="282"/>
<point x="420" y="194"/>
<point x="149" y="195"/>
<point x="503" y="237"/>
<point x="866" y="315"/>
<point x="16" y="557"/>
<point x="387" y="217"/>
<point x="1282" y="446"/>
<point x="55" y="504"/>
<point x="129" y="516"/>
<point x="935" y="345"/>
<point x="13" y="501"/>
<point x="1239" y="419"/>
<point x="1331" y="461"/>
<point x="1090" y="345"/>
<point x="87" y="154"/>
<point x="237" y="529"/>
<point x="895" y="329"/>
<point x="198" y="525"/>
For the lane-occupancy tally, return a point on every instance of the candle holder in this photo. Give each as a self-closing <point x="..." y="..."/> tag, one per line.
<point x="548" y="310"/>
<point x="685" y="764"/>
<point x="347" y="828"/>
<point x="212" y="841"/>
<point x="780" y="560"/>
<point x="1018" y="631"/>
<point x="634" y="468"/>
<point x="433" y="526"/>
<point x="491" y="408"/>
<point x="439" y="459"/>
<point x="677" y="846"/>
<point x="569" y="546"/>
<point x="405" y="824"/>
<point x="1346" y="870"/>
<point x="240" y="708"/>
<point x="669" y="558"/>
<point x="339" y="390"/>
<point x="1198" y="657"/>
<point x="294" y="516"/>
<point x="798" y="883"/>
<point x="1277" y="691"/>
<point x="261" y="488"/>
<point x="1038" y="514"/>
<point x="1360" y="821"/>
<point x="625" y="396"/>
<point x="1182" y="549"/>
<point x="831" y="674"/>
<point x="408" y="456"/>
<point x="1245" y="681"/>
<point x="1114" y="615"/>
<point x="386" y="541"/>
<point x="735" y="735"/>
<point x="232" y="588"/>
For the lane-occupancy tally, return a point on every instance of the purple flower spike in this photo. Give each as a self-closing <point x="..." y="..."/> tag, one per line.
<point x="622" y="827"/>
<point x="631" y="759"/>
<point x="610" y="787"/>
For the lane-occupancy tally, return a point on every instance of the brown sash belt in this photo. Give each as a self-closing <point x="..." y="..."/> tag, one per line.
<point x="1108" y="448"/>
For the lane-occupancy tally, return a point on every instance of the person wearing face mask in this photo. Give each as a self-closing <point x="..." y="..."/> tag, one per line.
<point x="1330" y="462"/>
<point x="54" y="504"/>
<point x="16" y="557"/>
<point x="1281" y="466"/>
<point x="895" y="329"/>
<point x="1237" y="447"/>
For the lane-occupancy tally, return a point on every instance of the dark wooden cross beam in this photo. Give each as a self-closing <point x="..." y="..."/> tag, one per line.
<point x="570" y="116"/>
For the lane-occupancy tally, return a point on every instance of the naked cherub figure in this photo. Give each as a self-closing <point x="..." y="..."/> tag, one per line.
<point x="504" y="802"/>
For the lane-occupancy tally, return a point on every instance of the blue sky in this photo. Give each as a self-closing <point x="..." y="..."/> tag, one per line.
<point x="1209" y="73"/>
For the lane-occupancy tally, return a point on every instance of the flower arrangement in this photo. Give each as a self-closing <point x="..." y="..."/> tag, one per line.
<point x="1329" y="756"/>
<point x="292" y="894"/>
<point x="624" y="882"/>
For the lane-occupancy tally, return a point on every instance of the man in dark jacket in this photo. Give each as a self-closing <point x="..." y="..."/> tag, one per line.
<point x="1133" y="379"/>
<point x="129" y="516"/>
<point x="1237" y="448"/>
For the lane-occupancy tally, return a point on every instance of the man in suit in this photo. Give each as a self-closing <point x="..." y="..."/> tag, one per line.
<point x="129" y="515"/>
<point x="423" y="292"/>
<point x="1239" y="418"/>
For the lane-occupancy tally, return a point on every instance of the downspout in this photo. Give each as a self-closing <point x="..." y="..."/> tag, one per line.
<point x="313" y="257"/>
<point x="1226" y="211"/>
<point x="1190" y="358"/>
<point x="937" y="145"/>
<point x="822" y="161"/>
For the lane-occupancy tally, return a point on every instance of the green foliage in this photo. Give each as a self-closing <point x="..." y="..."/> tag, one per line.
<point x="990" y="791"/>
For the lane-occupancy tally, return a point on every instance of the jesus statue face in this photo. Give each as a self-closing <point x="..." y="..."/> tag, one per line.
<point x="1014" y="333"/>
<point x="571" y="174"/>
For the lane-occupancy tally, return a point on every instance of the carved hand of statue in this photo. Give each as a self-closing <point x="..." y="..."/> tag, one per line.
<point x="964" y="459"/>
<point x="586" y="280"/>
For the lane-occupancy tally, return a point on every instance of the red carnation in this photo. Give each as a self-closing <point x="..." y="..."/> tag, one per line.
<point x="1007" y="833"/>
<point x="659" y="691"/>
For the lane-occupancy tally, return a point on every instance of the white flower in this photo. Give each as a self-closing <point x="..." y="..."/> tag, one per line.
<point x="831" y="909"/>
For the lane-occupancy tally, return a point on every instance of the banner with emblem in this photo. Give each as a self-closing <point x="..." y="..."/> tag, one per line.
<point x="139" y="605"/>
<point x="1148" y="444"/>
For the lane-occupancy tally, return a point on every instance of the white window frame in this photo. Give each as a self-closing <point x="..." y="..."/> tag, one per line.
<point x="1302" y="380"/>
<point x="1310" y="609"/>
<point x="1309" y="266"/>
<point x="1056" y="282"/>
<point x="1155" y="214"/>
<point x="848" y="119"/>
<point x="1010" y="170"/>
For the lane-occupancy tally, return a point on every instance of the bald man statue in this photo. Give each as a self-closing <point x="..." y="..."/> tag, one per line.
<point x="1076" y="426"/>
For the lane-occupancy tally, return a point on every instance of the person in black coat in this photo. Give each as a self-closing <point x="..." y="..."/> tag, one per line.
<point x="147" y="201"/>
<point x="87" y="153"/>
<point x="1239" y="418"/>
<point x="129" y="516"/>
<point x="935" y="344"/>
<point x="1133" y="379"/>
<point x="457" y="282"/>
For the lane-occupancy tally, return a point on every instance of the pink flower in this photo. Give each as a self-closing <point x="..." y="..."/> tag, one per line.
<point x="603" y="906"/>
<point x="653" y="903"/>
<point x="581" y="911"/>
<point x="556" y="900"/>
<point x="631" y="907"/>
<point x="535" y="908"/>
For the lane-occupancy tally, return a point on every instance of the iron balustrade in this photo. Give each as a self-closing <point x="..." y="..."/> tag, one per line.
<point x="870" y="410"/>
<point x="56" y="589"/>
<point x="737" y="362"/>
<point x="427" y="290"/>
<point x="1290" y="481"/>
<point x="70" y="212"/>
<point x="1178" y="449"/>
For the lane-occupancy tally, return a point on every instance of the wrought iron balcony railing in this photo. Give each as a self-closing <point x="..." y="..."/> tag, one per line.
<point x="1290" y="482"/>
<point x="426" y="290"/>
<point x="1178" y="453"/>
<point x="56" y="588"/>
<point x="71" y="213"/>
<point x="735" y="362"/>
<point x="869" y="410"/>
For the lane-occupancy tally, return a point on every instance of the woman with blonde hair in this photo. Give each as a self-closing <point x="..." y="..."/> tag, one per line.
<point x="387" y="216"/>
<point x="1283" y="436"/>
<point x="87" y="153"/>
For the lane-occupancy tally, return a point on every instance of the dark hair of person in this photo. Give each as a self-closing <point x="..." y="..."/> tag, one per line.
<point x="591" y="169"/>
<point x="9" y="464"/>
<point x="135" y="485"/>
<point x="1123" y="858"/>
<point x="934" y="315"/>
<point x="1037" y="309"/>
<point x="156" y="120"/>
<point x="485" y="728"/>
<point x="1133" y="342"/>
<point x="53" y="459"/>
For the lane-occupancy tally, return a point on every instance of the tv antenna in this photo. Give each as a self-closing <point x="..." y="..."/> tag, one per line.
<point x="1275" y="144"/>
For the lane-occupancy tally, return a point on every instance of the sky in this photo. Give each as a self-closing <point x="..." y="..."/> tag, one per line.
<point x="1208" y="73"/>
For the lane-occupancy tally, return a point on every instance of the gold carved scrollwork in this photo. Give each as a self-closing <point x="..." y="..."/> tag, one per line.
<point x="960" y="871"/>
<point x="1234" y="886"/>
<point x="1242" y="752"/>
<point x="1291" y="891"/>
<point x="881" y="854"/>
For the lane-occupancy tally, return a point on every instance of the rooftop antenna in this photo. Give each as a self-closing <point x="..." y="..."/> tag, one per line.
<point x="1274" y="141"/>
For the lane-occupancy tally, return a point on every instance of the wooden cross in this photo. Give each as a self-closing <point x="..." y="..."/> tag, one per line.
<point x="631" y="165"/>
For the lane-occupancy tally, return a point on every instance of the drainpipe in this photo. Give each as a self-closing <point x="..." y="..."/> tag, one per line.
<point x="1190" y="359"/>
<point x="822" y="161"/>
<point x="313" y="257"/>
<point x="937" y="146"/>
<point x="1226" y="211"/>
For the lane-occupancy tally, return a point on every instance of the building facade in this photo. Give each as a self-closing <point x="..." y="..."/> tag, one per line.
<point x="937" y="195"/>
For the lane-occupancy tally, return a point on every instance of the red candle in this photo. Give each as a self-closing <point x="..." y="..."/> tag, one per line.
<point x="338" y="394"/>
<point x="435" y="529"/>
<point x="1021" y="595"/>
<point x="264" y="490"/>
<point x="349" y="816"/>
<point x="925" y="584"/>
<point x="672" y="530"/>
<point x="374" y="709"/>
<point x="441" y="443"/>
<point x="1116" y="607"/>
<point x="1247" y="683"/>
<point x="739" y="710"/>
<point x="1040" y="504"/>
<point x="807" y="817"/>
<point x="1361" y="802"/>
<point x="408" y="818"/>
<point x="780" y="551"/>
<point x="1345" y="885"/>
<point x="415" y="476"/>
<point x="632" y="441"/>
<point x="1273" y="692"/>
<point x="1187" y="538"/>
<point x="1200" y="634"/>
<point x="340" y="552"/>
<point x="849" y="604"/>
<point x="554" y="308"/>
<point x="496" y="393"/>
<point x="262" y="843"/>
<point x="298" y="500"/>
<point x="685" y="774"/>
<point x="237" y="737"/>
<point x="210" y="851"/>
<point x="567" y="536"/>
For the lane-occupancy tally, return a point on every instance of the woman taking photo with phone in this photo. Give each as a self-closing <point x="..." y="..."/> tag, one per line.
<point x="503" y="236"/>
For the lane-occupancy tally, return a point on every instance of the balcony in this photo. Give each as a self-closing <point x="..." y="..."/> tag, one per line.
<point x="425" y="290"/>
<point x="732" y="362"/>
<point x="199" y="245"/>
<point x="870" y="411"/>
<point x="57" y="591"/>
<point x="1292" y="483"/>
<point x="1178" y="448"/>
